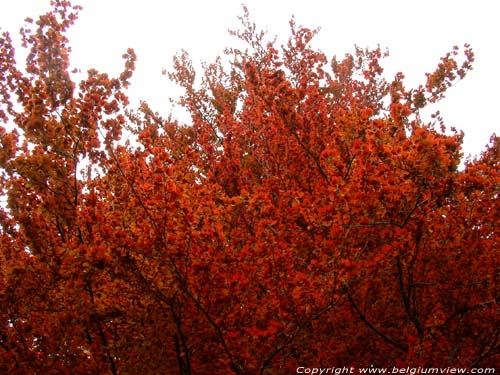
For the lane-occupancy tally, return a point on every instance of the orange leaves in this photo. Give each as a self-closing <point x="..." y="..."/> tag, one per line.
<point x="307" y="214"/>
<point x="130" y="58"/>
<point x="9" y="145"/>
<point x="447" y="72"/>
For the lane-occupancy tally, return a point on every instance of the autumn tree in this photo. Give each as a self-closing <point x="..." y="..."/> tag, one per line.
<point x="309" y="214"/>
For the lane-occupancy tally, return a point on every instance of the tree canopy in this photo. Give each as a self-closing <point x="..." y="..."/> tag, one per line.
<point x="307" y="215"/>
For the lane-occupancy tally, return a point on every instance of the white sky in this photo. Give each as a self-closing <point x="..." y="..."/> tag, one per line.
<point x="417" y="34"/>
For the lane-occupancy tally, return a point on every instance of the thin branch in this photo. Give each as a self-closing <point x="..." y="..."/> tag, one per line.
<point x="373" y="328"/>
<point x="348" y="171"/>
<point x="313" y="157"/>
<point x="107" y="354"/>
<point x="299" y="328"/>
<point x="489" y="352"/>
<point x="408" y="217"/>
<point x="406" y="299"/>
<point x="184" y="361"/>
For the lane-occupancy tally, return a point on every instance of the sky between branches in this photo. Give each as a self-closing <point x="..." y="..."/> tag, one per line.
<point x="417" y="34"/>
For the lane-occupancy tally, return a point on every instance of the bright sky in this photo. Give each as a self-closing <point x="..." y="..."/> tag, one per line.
<point x="417" y="34"/>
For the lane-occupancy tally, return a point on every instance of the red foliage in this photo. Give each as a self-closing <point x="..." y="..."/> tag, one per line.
<point x="307" y="216"/>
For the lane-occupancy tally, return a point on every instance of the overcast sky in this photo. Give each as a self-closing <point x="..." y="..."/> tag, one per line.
<point x="417" y="34"/>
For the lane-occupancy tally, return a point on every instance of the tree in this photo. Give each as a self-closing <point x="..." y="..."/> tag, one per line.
<point x="308" y="215"/>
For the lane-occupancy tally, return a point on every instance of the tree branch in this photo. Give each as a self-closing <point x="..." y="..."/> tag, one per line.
<point x="372" y="327"/>
<point x="299" y="328"/>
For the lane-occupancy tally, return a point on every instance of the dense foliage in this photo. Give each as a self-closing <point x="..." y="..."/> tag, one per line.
<point x="307" y="216"/>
